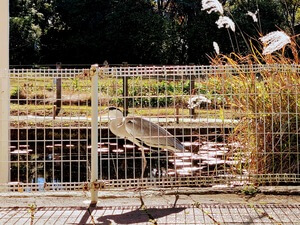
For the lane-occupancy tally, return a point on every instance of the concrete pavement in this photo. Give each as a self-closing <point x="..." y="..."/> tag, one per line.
<point x="124" y="207"/>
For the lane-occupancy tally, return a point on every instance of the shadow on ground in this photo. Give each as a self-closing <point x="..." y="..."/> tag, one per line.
<point x="138" y="216"/>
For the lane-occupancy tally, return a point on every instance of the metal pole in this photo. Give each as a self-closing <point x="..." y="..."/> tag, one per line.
<point x="192" y="87"/>
<point x="58" y="93"/>
<point x="125" y="91"/>
<point x="4" y="92"/>
<point x="94" y="134"/>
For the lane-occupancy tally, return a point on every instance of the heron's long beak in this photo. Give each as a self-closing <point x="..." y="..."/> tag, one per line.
<point x="104" y="112"/>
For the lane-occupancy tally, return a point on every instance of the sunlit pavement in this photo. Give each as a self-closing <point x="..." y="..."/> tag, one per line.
<point x="159" y="208"/>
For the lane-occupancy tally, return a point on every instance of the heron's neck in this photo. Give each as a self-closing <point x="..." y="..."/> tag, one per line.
<point x="116" y="122"/>
<point x="116" y="126"/>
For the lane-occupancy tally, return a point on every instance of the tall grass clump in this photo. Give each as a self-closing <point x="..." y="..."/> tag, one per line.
<point x="268" y="131"/>
<point x="266" y="139"/>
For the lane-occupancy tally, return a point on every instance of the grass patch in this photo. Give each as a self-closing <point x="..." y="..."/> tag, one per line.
<point x="80" y="110"/>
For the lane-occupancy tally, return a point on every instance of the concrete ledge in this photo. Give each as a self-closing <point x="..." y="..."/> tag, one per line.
<point x="121" y="193"/>
<point x="281" y="190"/>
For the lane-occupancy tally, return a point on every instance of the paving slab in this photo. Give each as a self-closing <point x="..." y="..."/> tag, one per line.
<point x="181" y="214"/>
<point x="159" y="208"/>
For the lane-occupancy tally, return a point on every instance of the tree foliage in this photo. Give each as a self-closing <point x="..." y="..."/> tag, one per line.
<point x="137" y="31"/>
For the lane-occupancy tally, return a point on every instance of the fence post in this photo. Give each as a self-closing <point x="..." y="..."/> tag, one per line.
<point x="58" y="93"/>
<point x="94" y="72"/>
<point x="192" y="87"/>
<point x="125" y="92"/>
<point x="4" y="94"/>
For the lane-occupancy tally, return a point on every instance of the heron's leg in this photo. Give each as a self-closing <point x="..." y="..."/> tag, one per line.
<point x="142" y="201"/>
<point x="144" y="163"/>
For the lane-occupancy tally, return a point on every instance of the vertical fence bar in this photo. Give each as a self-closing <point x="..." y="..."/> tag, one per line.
<point x="4" y="92"/>
<point x="192" y="87"/>
<point x="125" y="91"/>
<point x="94" y="134"/>
<point x="58" y="92"/>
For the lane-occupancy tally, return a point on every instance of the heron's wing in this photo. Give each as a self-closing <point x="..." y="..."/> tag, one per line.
<point x="151" y="134"/>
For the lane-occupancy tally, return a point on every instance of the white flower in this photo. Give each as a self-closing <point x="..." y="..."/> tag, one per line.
<point x="274" y="41"/>
<point x="197" y="100"/>
<point x="226" y="22"/>
<point x="212" y="6"/>
<point x="253" y="15"/>
<point x="216" y="47"/>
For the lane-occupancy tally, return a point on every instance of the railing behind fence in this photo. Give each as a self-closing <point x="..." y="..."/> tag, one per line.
<point x="247" y="129"/>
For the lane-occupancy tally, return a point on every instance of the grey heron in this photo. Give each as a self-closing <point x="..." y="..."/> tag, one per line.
<point x="142" y="132"/>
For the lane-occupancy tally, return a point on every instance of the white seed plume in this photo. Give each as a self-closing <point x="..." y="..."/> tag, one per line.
<point x="253" y="15"/>
<point x="226" y="22"/>
<point x="212" y="6"/>
<point x="216" y="47"/>
<point x="197" y="100"/>
<point x="274" y="41"/>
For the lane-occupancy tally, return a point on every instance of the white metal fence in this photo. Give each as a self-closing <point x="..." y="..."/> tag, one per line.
<point x="239" y="124"/>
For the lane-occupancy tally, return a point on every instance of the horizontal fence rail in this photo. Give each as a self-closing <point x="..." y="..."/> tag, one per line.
<point x="238" y="124"/>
